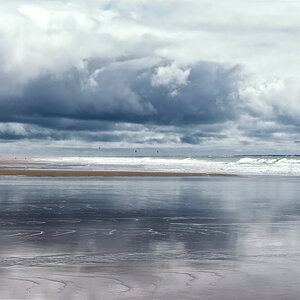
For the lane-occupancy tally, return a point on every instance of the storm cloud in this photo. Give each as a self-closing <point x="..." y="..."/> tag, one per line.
<point x="150" y="73"/>
<point x="127" y="92"/>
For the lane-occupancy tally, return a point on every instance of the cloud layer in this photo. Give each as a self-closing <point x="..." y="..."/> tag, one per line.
<point x="151" y="73"/>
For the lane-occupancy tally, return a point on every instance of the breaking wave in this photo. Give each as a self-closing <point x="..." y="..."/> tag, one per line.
<point x="258" y="165"/>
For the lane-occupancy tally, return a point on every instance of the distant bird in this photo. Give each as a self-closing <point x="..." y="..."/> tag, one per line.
<point x="135" y="150"/>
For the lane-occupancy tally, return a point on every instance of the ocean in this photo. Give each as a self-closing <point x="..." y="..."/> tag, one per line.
<point x="243" y="165"/>
<point x="153" y="238"/>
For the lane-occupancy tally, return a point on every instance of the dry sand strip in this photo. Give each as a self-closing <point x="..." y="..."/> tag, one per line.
<point x="82" y="173"/>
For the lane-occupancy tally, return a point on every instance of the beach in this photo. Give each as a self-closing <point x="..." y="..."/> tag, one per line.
<point x="11" y="171"/>
<point x="148" y="228"/>
<point x="151" y="166"/>
<point x="149" y="150"/>
<point x="32" y="168"/>
<point x="149" y="238"/>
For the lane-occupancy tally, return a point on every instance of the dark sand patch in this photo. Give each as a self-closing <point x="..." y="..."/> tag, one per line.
<point x="88" y="173"/>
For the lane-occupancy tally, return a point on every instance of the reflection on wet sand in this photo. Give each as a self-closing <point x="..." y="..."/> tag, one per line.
<point x="159" y="238"/>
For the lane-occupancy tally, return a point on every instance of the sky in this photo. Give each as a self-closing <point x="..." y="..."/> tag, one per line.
<point x="220" y="77"/>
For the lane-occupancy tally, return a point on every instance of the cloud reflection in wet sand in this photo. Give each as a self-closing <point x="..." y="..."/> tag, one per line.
<point x="138" y="238"/>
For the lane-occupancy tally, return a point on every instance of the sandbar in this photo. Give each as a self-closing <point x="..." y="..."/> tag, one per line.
<point x="90" y="173"/>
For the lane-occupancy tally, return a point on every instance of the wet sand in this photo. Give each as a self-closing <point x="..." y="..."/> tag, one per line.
<point x="7" y="171"/>
<point x="139" y="238"/>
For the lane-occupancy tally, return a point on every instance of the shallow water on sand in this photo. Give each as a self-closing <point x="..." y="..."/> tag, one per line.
<point x="157" y="238"/>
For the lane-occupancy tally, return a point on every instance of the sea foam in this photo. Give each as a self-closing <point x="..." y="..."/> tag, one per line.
<point x="258" y="165"/>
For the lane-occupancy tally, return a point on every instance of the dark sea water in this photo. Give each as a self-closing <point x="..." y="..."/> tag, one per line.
<point x="157" y="238"/>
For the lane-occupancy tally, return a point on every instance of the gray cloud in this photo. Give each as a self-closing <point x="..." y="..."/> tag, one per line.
<point x="123" y="92"/>
<point x="148" y="72"/>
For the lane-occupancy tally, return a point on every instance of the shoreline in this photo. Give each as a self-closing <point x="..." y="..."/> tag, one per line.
<point x="89" y="173"/>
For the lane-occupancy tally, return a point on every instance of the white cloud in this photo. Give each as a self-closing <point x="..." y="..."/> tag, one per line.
<point x="50" y="36"/>
<point x="171" y="76"/>
<point x="272" y="97"/>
